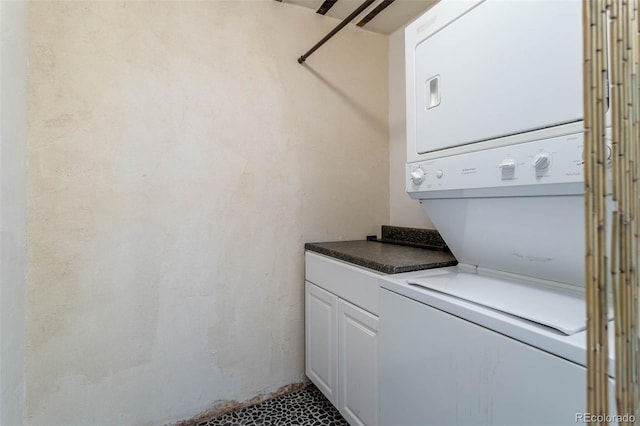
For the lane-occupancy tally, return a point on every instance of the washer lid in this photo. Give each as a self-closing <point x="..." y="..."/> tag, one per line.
<point x="561" y="310"/>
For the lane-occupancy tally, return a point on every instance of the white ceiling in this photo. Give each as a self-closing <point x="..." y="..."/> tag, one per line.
<point x="395" y="16"/>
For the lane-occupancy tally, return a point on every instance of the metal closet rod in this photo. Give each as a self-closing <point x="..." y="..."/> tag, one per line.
<point x="338" y="27"/>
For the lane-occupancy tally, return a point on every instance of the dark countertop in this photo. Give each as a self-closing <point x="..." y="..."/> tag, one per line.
<point x="384" y="257"/>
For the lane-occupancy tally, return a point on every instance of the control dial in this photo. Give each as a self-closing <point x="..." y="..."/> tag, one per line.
<point x="417" y="176"/>
<point x="609" y="153"/>
<point x="508" y="168"/>
<point x="508" y="164"/>
<point x="541" y="161"/>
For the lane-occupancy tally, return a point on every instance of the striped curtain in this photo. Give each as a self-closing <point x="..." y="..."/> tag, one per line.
<point x="612" y="234"/>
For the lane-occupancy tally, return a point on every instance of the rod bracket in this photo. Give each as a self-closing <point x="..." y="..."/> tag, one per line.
<point x="338" y="27"/>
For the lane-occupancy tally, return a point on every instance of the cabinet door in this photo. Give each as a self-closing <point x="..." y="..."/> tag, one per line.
<point x="321" y="350"/>
<point x="357" y="364"/>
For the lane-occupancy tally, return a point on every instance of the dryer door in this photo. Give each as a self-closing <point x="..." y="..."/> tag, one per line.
<point x="502" y="68"/>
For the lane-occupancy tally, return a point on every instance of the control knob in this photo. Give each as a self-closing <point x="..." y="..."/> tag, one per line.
<point x="417" y="176"/>
<point x="609" y="153"/>
<point x="508" y="164"/>
<point x="508" y="168"/>
<point x="541" y="161"/>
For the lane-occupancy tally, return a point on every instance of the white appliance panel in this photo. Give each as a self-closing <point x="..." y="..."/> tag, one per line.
<point x="571" y="348"/>
<point x="533" y="236"/>
<point x="509" y="170"/>
<point x="451" y="371"/>
<point x="502" y="68"/>
<point x="558" y="309"/>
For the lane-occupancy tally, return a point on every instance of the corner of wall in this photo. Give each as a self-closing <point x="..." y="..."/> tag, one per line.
<point x="403" y="211"/>
<point x="13" y="144"/>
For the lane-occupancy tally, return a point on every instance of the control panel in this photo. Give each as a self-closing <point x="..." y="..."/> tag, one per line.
<point x="557" y="160"/>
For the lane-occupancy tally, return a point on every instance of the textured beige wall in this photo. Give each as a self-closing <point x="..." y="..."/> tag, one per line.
<point x="179" y="158"/>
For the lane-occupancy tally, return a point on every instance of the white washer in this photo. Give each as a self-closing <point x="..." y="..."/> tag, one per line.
<point x="499" y="339"/>
<point x="494" y="151"/>
<point x="445" y="358"/>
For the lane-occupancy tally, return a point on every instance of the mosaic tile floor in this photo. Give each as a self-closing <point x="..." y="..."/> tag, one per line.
<point x="306" y="407"/>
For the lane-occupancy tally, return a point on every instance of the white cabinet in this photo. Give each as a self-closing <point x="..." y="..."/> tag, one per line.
<point x="357" y="364"/>
<point x="341" y="338"/>
<point x="321" y="341"/>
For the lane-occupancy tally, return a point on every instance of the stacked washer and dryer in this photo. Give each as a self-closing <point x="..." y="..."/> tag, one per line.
<point x="494" y="148"/>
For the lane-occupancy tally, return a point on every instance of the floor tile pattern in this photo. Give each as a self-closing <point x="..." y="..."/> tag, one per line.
<point x="306" y="407"/>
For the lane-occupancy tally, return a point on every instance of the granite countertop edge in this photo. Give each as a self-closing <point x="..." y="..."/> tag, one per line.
<point x="378" y="266"/>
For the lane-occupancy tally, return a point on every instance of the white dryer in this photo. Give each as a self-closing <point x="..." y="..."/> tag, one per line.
<point x="494" y="150"/>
